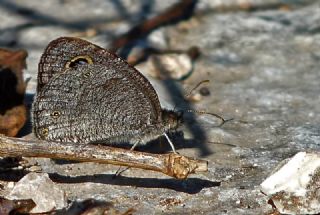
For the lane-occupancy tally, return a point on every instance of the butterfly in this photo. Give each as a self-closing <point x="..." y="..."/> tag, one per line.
<point x="86" y="94"/>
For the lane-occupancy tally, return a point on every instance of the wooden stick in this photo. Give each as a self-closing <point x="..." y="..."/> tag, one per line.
<point x="179" y="11"/>
<point x="174" y="165"/>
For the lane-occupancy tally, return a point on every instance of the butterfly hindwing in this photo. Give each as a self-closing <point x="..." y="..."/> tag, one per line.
<point x="79" y="105"/>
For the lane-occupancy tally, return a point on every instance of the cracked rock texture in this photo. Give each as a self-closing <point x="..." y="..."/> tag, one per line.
<point x="263" y="67"/>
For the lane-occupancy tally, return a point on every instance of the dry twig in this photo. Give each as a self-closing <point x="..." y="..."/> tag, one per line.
<point x="177" y="12"/>
<point x="174" y="165"/>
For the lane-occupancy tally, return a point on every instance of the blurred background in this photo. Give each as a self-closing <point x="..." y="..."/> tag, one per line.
<point x="262" y="61"/>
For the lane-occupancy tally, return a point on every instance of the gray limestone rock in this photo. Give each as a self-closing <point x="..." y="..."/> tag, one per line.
<point x="263" y="67"/>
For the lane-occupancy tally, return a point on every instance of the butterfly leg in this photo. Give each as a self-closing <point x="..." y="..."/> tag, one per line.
<point x="171" y="144"/>
<point x="119" y="171"/>
<point x="134" y="145"/>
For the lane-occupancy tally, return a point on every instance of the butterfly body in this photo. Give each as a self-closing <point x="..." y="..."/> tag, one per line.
<point x="86" y="94"/>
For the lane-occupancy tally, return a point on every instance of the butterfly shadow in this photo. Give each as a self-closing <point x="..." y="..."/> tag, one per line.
<point x="190" y="185"/>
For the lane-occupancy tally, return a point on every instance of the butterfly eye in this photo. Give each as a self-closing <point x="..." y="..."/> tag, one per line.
<point x="55" y="114"/>
<point x="87" y="74"/>
<point x="44" y="132"/>
<point x="78" y="61"/>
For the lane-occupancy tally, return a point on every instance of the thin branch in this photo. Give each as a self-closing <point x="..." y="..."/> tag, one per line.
<point x="174" y="165"/>
<point x="181" y="10"/>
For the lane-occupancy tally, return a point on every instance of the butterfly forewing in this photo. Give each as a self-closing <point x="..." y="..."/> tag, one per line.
<point x="60" y="52"/>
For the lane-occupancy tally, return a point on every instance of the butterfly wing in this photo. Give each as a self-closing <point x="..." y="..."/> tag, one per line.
<point x="92" y="103"/>
<point x="60" y="52"/>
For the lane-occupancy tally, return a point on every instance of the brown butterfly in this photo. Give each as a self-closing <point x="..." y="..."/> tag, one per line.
<point x="86" y="94"/>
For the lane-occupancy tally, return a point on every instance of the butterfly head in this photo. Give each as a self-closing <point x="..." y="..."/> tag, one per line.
<point x="172" y="119"/>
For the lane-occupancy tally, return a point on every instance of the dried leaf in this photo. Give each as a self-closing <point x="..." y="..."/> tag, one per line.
<point x="13" y="112"/>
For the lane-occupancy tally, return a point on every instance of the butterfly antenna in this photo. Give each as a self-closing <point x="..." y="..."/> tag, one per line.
<point x="193" y="89"/>
<point x="223" y="120"/>
<point x="171" y="144"/>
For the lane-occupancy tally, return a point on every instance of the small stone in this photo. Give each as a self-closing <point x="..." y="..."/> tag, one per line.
<point x="158" y="39"/>
<point x="294" y="187"/>
<point x="204" y="91"/>
<point x="45" y="193"/>
<point x="197" y="97"/>
<point x="176" y="66"/>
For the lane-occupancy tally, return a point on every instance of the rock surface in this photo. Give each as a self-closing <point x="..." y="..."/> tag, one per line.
<point x="293" y="188"/>
<point x="45" y="193"/>
<point x="263" y="67"/>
